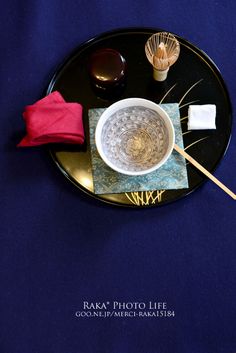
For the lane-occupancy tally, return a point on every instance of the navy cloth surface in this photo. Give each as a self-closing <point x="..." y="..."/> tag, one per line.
<point x="60" y="248"/>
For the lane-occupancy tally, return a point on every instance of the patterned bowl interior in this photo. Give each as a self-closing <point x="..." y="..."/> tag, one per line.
<point x="135" y="139"/>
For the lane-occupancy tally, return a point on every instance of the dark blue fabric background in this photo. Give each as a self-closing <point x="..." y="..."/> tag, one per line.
<point x="60" y="247"/>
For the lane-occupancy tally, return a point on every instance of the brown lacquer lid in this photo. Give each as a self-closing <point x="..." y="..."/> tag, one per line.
<point x="107" y="68"/>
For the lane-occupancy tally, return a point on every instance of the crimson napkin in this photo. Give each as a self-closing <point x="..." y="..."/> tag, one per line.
<point x="51" y="119"/>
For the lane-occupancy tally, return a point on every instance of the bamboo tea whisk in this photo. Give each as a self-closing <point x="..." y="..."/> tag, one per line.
<point x="162" y="50"/>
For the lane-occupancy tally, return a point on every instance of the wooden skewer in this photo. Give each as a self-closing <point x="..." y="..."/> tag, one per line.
<point x="204" y="171"/>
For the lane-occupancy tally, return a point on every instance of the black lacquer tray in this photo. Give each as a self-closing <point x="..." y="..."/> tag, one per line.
<point x="193" y="79"/>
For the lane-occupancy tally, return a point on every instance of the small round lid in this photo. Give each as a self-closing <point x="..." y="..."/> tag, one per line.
<point x="107" y="68"/>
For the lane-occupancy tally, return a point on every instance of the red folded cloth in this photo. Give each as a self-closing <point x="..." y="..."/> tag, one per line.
<point x="51" y="119"/>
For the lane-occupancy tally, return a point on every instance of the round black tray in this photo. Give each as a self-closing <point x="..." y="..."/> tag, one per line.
<point x="193" y="79"/>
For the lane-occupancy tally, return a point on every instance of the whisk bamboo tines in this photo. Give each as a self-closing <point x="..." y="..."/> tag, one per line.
<point x="162" y="50"/>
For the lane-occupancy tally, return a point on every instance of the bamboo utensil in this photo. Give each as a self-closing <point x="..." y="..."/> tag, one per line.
<point x="204" y="171"/>
<point x="162" y="50"/>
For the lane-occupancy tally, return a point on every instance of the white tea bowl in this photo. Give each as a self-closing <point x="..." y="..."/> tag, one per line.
<point x="134" y="136"/>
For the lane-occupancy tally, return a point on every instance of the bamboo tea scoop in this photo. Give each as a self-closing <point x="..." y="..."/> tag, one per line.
<point x="204" y="171"/>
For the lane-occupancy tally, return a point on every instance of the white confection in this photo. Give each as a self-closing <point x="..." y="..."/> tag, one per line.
<point x="201" y="117"/>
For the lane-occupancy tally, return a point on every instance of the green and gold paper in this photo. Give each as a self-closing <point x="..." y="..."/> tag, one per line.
<point x="172" y="175"/>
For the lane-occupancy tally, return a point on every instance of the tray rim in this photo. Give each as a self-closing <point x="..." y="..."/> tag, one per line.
<point x="204" y="56"/>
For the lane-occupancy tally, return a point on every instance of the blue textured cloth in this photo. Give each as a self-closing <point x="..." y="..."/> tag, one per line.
<point x="59" y="247"/>
<point x="172" y="175"/>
